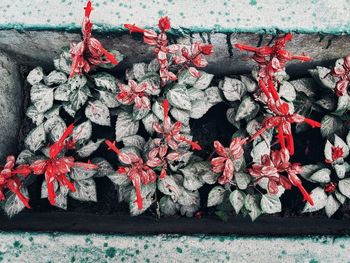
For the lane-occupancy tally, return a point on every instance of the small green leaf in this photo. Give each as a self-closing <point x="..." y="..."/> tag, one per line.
<point x="55" y="77"/>
<point x="85" y="190"/>
<point x="199" y="108"/>
<point x="319" y="197"/>
<point x="125" y="126"/>
<point x="270" y="204"/>
<point x="105" y="81"/>
<point x="98" y="113"/>
<point x="35" y="76"/>
<point x="237" y="200"/>
<point x="249" y="83"/>
<point x="42" y="97"/>
<point x="179" y="98"/>
<point x="259" y="150"/>
<point x="329" y="125"/>
<point x="332" y="205"/>
<point x="180" y="115"/>
<point x="213" y="95"/>
<point x="36" y="138"/>
<point x="344" y="187"/>
<point x="252" y="205"/>
<point x="79" y="97"/>
<point x="233" y="89"/>
<point x="216" y="196"/>
<point x="203" y="81"/>
<point x="36" y="116"/>
<point x="247" y="109"/>
<point x="148" y="122"/>
<point x="108" y="98"/>
<point x="134" y="141"/>
<point x="321" y="176"/>
<point x="242" y="180"/>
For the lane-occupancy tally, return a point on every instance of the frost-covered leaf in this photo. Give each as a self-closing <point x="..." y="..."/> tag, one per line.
<point x="79" y="97"/>
<point x="55" y="127"/>
<point x="98" y="113"/>
<point x="36" y="116"/>
<point x="89" y="148"/>
<point x="242" y="180"/>
<point x="309" y="169"/>
<point x="332" y="205"/>
<point x="348" y="139"/>
<point x="147" y="192"/>
<point x="189" y="210"/>
<point x="203" y="81"/>
<point x="169" y="186"/>
<point x="305" y="85"/>
<point x="55" y="77"/>
<point x="13" y="205"/>
<point x="199" y="108"/>
<point x="252" y="205"/>
<point x="202" y="170"/>
<point x="213" y="95"/>
<point x="82" y="132"/>
<point x="44" y="191"/>
<point x="105" y="81"/>
<point x="62" y="92"/>
<point x="287" y="91"/>
<point x="167" y="206"/>
<point x="118" y="178"/>
<point x="249" y="83"/>
<point x="104" y="167"/>
<point x="61" y="198"/>
<point x="63" y="63"/>
<point x="237" y="200"/>
<point x="139" y="114"/>
<point x="108" y="98"/>
<point x="191" y="181"/>
<point x="68" y="108"/>
<point x="343" y="105"/>
<point x="80" y="173"/>
<point x="85" y="190"/>
<point x="327" y="103"/>
<point x="35" y="76"/>
<point x="148" y="122"/>
<point x="180" y="115"/>
<point x="186" y="78"/>
<point x="134" y="141"/>
<point x="179" y="98"/>
<point x="125" y="126"/>
<point x="319" y="197"/>
<point x="157" y="110"/>
<point x="328" y="151"/>
<point x="344" y="187"/>
<point x="340" y="197"/>
<point x="139" y="70"/>
<point x="42" y="97"/>
<point x="322" y="76"/>
<point x="321" y="176"/>
<point x="216" y="196"/>
<point x="196" y="94"/>
<point x="233" y="89"/>
<point x="189" y="198"/>
<point x="247" y="109"/>
<point x="341" y="169"/>
<point x="259" y="150"/>
<point x="77" y="82"/>
<point x="270" y="204"/>
<point x="36" y="138"/>
<point x="25" y="157"/>
<point x="329" y="125"/>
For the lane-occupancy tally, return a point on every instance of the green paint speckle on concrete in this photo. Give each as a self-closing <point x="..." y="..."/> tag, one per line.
<point x="110" y="252"/>
<point x="246" y="16"/>
<point x="179" y="250"/>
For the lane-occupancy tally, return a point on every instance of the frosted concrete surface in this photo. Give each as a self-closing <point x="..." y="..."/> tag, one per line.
<point x="197" y="15"/>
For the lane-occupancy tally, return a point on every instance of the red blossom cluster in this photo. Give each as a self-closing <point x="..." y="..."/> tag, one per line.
<point x="337" y="153"/>
<point x="162" y="50"/>
<point x="170" y="139"/>
<point x="224" y="163"/>
<point x="275" y="168"/>
<point x="342" y="72"/>
<point x="9" y="179"/>
<point x="134" y="93"/>
<point x="89" y="52"/>
<point x="56" y="167"/>
<point x="137" y="171"/>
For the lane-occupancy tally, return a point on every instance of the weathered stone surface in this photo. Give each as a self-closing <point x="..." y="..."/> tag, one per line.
<point x="33" y="48"/>
<point x="10" y="106"/>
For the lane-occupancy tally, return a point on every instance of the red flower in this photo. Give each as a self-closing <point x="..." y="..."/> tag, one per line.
<point x="10" y="180"/>
<point x="134" y="93"/>
<point x="330" y="187"/>
<point x="343" y="73"/>
<point x="56" y="168"/>
<point x="206" y="49"/>
<point x="227" y="156"/>
<point x="137" y="171"/>
<point x="337" y="152"/>
<point x="164" y="24"/>
<point x="90" y="51"/>
<point x="171" y="132"/>
<point x="272" y="167"/>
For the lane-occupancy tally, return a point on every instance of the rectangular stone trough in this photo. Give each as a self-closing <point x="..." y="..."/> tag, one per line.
<point x="34" y="35"/>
